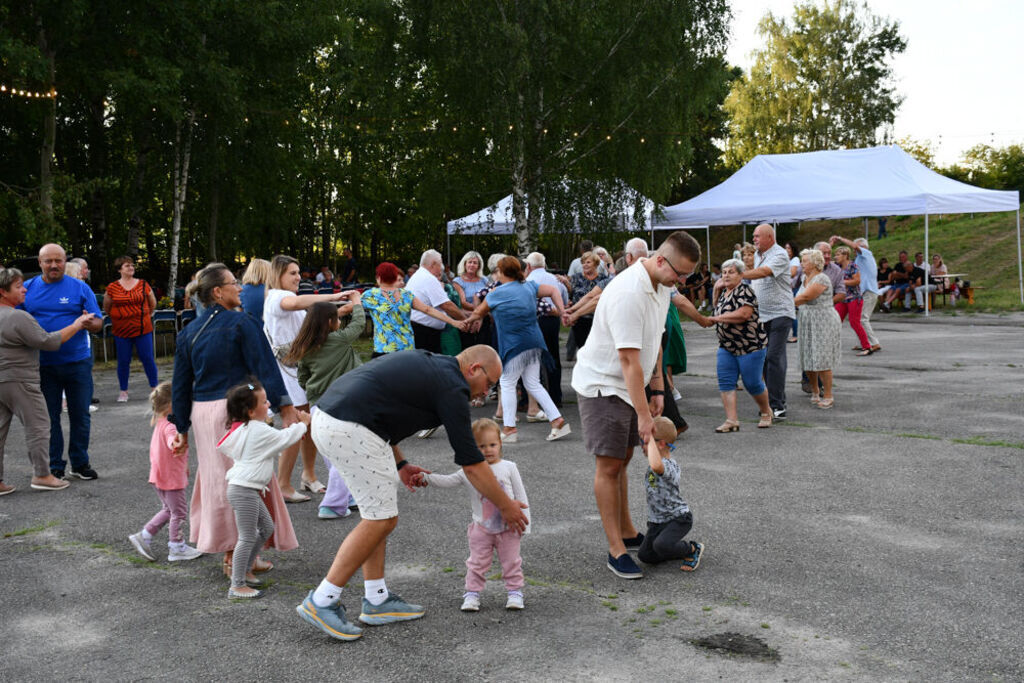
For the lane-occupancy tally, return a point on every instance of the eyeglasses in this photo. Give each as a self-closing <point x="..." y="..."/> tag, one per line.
<point x="678" y="274"/>
<point x="233" y="283"/>
<point x="490" y="382"/>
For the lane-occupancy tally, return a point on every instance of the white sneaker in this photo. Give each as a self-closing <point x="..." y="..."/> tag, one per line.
<point x="93" y="409"/>
<point x="515" y="600"/>
<point x="177" y="552"/>
<point x="426" y="433"/>
<point x="676" y="396"/>
<point x="470" y="603"/>
<point x="142" y="546"/>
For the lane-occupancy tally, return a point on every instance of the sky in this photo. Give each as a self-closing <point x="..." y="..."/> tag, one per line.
<point x="960" y="74"/>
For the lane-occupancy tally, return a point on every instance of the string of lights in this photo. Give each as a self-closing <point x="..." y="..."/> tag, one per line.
<point x="29" y="94"/>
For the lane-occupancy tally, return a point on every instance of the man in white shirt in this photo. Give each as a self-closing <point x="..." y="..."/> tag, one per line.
<point x="621" y="357"/>
<point x="536" y="271"/>
<point x="770" y="280"/>
<point x="425" y="284"/>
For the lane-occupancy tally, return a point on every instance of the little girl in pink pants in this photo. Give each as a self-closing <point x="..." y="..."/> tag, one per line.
<point x="487" y="532"/>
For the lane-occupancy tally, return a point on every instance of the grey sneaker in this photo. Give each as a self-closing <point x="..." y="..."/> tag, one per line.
<point x="470" y="602"/>
<point x="177" y="552"/>
<point x="330" y="620"/>
<point x="515" y="600"/>
<point x="142" y="546"/>
<point x="391" y="610"/>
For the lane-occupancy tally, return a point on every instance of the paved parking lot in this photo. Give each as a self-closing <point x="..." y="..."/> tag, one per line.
<point x="881" y="540"/>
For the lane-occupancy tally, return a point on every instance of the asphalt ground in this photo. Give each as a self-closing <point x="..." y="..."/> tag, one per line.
<point x="881" y="540"/>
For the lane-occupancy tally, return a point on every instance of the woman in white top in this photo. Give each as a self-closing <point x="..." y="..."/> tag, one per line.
<point x="793" y="251"/>
<point x="283" y="313"/>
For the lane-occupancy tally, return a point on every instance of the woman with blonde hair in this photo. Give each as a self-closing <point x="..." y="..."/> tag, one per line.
<point x="819" y="326"/>
<point x="254" y="282"/>
<point x="283" y="312"/>
<point x="468" y="284"/>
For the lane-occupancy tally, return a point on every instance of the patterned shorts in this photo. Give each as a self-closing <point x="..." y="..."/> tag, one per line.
<point x="364" y="460"/>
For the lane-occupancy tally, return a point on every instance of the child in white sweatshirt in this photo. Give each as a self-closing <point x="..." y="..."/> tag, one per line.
<point x="253" y="445"/>
<point x="487" y="532"/>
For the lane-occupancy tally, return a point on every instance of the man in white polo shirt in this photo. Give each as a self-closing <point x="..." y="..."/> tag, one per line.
<point x="426" y="286"/>
<point x="621" y="357"/>
<point x="550" y="325"/>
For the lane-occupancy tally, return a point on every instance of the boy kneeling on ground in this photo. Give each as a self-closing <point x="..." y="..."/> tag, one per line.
<point x="668" y="516"/>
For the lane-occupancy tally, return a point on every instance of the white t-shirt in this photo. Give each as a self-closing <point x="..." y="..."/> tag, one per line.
<point x="280" y="325"/>
<point x="542" y="277"/>
<point x="630" y="315"/>
<point x="430" y="291"/>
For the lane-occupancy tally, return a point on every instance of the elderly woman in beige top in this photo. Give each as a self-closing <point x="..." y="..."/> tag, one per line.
<point x="21" y="337"/>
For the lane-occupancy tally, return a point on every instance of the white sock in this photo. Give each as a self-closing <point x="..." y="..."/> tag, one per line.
<point x="375" y="591"/>
<point x="326" y="594"/>
<point x="146" y="535"/>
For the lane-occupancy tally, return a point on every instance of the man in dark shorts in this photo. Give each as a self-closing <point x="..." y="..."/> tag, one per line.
<point x="360" y="420"/>
<point x="621" y="357"/>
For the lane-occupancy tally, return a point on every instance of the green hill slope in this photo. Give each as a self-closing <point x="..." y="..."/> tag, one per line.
<point x="982" y="245"/>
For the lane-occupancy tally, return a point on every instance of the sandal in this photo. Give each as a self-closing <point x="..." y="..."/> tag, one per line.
<point x="826" y="403"/>
<point x="260" y="566"/>
<point x="728" y="426"/>
<point x="865" y="352"/>
<point x="295" y="497"/>
<point x="312" y="486"/>
<point x="766" y="421"/>
<point x="232" y="595"/>
<point x="815" y="398"/>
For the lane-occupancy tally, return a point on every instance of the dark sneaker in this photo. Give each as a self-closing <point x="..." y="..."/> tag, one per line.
<point x="691" y="563"/>
<point x="624" y="567"/>
<point x="57" y="473"/>
<point x="779" y="414"/>
<point x="391" y="610"/>
<point x="85" y="473"/>
<point x="330" y="620"/>
<point x="634" y="542"/>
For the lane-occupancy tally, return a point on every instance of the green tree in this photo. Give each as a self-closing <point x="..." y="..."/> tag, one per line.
<point x="822" y="80"/>
<point x="545" y="92"/>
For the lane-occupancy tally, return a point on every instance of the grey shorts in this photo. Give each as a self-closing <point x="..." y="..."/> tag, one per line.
<point x="609" y="426"/>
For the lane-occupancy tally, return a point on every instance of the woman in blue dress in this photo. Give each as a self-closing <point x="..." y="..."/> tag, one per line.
<point x="513" y="307"/>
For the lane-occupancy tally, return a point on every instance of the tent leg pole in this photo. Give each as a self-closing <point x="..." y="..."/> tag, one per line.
<point x="865" y="228"/>
<point x="927" y="263"/>
<point x="1020" y="263"/>
<point x="449" y="250"/>
<point x="707" y="233"/>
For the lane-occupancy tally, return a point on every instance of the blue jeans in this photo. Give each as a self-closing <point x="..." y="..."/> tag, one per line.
<point x="74" y="380"/>
<point x="750" y="365"/>
<point x="144" y="347"/>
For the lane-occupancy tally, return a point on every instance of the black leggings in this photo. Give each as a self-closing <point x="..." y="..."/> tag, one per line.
<point x="666" y="540"/>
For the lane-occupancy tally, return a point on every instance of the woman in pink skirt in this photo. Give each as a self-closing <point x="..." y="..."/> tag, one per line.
<point x="219" y="349"/>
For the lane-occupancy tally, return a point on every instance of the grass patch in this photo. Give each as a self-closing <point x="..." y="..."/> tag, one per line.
<point x="448" y="570"/>
<point x="610" y="605"/>
<point x="981" y="441"/>
<point x="908" y="435"/>
<point x="671" y="612"/>
<point x="31" y="530"/>
<point x="765" y="625"/>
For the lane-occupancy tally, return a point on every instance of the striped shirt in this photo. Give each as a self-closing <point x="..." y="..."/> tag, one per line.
<point x="129" y="309"/>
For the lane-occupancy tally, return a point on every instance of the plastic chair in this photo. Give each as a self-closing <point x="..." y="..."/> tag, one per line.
<point x="185" y="317"/>
<point x="164" y="316"/>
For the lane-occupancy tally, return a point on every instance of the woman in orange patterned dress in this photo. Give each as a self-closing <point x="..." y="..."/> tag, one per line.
<point x="130" y="303"/>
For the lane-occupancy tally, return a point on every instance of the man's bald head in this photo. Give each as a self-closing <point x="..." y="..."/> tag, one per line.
<point x="481" y="366"/>
<point x="764" y="237"/>
<point x="635" y="248"/>
<point x="52" y="260"/>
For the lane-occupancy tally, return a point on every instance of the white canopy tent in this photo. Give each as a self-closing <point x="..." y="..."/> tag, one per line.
<point x="876" y="181"/>
<point x="498" y="219"/>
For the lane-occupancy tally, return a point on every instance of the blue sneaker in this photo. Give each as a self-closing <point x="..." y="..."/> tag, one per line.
<point x="691" y="563"/>
<point x="328" y="513"/>
<point x="330" y="620"/>
<point x="391" y="610"/>
<point x="624" y="567"/>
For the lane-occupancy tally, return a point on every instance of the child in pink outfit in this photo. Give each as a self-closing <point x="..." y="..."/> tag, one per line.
<point x="487" y="532"/>
<point x="168" y="473"/>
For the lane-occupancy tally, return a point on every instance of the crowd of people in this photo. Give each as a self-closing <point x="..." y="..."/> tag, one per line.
<point x="268" y="345"/>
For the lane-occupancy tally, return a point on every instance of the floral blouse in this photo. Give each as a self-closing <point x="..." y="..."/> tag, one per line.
<point x="852" y="291"/>
<point x="739" y="339"/>
<point x="392" y="325"/>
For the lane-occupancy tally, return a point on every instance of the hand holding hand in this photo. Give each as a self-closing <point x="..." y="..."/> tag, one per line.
<point x="656" y="406"/>
<point x="180" y="444"/>
<point x="303" y="417"/>
<point x="412" y="476"/>
<point x="84" y="319"/>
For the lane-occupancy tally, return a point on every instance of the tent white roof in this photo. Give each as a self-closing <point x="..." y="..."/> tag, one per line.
<point x="498" y="219"/>
<point x="877" y="181"/>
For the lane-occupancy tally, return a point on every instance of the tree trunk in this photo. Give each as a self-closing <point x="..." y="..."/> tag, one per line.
<point x="49" y="139"/>
<point x="182" y="156"/>
<point x="142" y="152"/>
<point x="98" y="167"/>
<point x="211" y="248"/>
